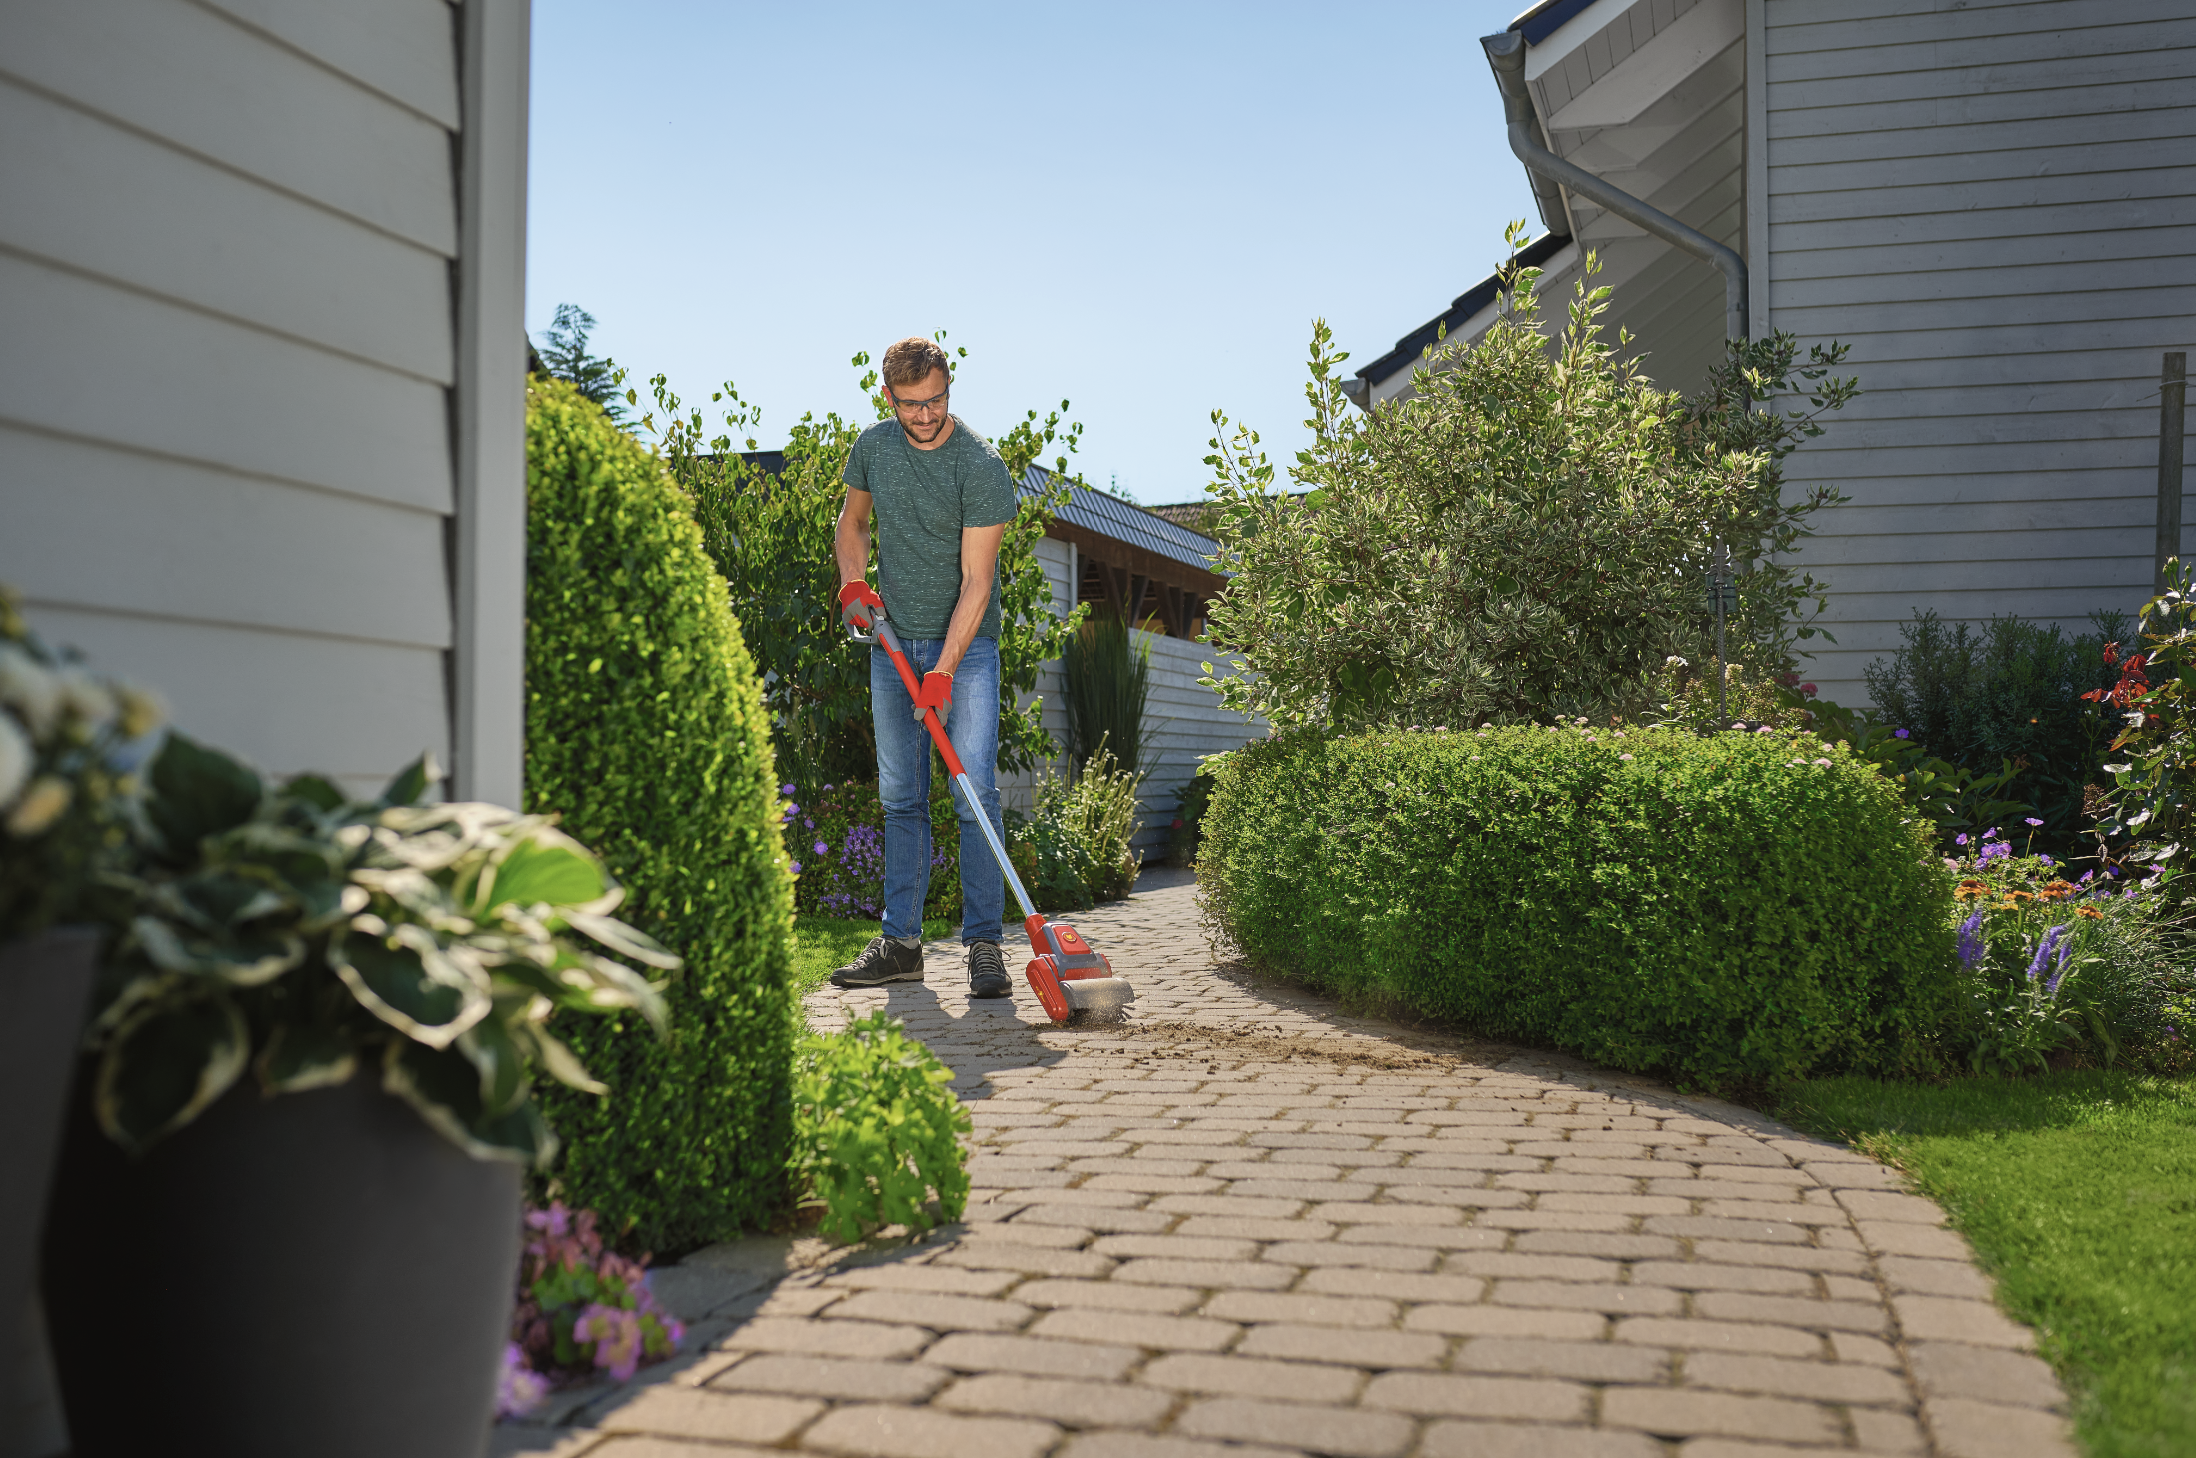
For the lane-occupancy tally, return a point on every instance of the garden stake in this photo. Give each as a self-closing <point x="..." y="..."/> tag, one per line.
<point x="1075" y="983"/>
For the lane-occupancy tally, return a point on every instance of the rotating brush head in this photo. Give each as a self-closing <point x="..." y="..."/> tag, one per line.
<point x="1075" y="983"/>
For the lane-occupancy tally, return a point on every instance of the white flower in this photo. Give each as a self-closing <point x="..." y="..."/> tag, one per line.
<point x="1823" y="762"/>
<point x="87" y="698"/>
<point x="15" y="760"/>
<point x="41" y="805"/>
<point x="1623" y="756"/>
<point x="30" y="688"/>
<point x="143" y="710"/>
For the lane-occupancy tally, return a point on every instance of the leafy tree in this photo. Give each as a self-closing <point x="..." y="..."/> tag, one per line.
<point x="564" y="355"/>
<point x="1526" y="535"/>
<point x="771" y="537"/>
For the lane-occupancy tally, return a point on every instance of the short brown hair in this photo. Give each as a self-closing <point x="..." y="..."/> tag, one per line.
<point x="911" y="360"/>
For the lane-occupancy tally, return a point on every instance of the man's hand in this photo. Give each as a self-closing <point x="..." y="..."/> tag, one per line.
<point x="860" y="606"/>
<point x="936" y="693"/>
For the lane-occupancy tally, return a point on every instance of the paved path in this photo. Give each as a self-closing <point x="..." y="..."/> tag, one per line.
<point x="1250" y="1226"/>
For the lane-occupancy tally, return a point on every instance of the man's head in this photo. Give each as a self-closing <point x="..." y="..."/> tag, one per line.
<point x="916" y="377"/>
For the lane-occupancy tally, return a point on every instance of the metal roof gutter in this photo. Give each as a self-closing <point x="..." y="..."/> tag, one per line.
<point x="1506" y="54"/>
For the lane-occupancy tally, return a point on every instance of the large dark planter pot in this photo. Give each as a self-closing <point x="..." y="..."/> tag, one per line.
<point x="319" y="1273"/>
<point x="45" y="982"/>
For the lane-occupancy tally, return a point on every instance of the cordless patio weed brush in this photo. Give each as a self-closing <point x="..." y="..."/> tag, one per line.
<point x="1075" y="983"/>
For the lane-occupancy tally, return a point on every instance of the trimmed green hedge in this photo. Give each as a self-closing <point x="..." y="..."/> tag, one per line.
<point x="645" y="730"/>
<point x="1736" y="909"/>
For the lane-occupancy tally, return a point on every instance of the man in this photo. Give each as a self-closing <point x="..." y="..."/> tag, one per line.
<point x="942" y="499"/>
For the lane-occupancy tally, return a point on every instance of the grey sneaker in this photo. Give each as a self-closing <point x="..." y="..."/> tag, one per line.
<point x="883" y="960"/>
<point x="987" y="973"/>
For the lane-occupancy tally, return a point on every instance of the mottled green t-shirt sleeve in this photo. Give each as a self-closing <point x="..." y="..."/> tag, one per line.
<point x="856" y="471"/>
<point x="987" y="492"/>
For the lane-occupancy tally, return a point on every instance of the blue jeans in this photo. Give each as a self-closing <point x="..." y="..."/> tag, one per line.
<point x="903" y="783"/>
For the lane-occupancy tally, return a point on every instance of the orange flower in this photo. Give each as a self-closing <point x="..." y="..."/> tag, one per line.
<point x="1969" y="890"/>
<point x="2009" y="904"/>
<point x="2090" y="912"/>
<point x="2020" y="896"/>
<point x="2057" y="891"/>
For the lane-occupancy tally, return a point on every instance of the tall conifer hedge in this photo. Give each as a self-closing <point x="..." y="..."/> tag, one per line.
<point x="645" y="730"/>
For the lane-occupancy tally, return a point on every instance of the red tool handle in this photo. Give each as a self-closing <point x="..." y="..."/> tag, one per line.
<point x="891" y="642"/>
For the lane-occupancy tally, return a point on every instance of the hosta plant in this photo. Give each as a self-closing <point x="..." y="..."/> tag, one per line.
<point x="302" y="938"/>
<point x="63" y="787"/>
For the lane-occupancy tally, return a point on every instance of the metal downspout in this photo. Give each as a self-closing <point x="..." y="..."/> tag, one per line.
<point x="1506" y="53"/>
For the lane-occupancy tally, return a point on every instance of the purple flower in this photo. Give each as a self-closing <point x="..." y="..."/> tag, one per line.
<point x="2047" y="860"/>
<point x="788" y="789"/>
<point x="2032" y="820"/>
<point x="822" y="848"/>
<point x="809" y="823"/>
<point x="1960" y="839"/>
<point x="519" y="1388"/>
<point x="1971" y="940"/>
<point x="1902" y="733"/>
<point x="796" y="868"/>
<point x="2044" y="951"/>
<point x="1991" y="833"/>
<point x="2085" y="878"/>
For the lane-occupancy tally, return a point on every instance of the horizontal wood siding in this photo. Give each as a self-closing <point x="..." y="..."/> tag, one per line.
<point x="1185" y="719"/>
<point x="1995" y="206"/>
<point x="225" y="454"/>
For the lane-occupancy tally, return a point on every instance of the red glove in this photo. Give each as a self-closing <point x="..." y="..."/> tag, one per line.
<point x="860" y="606"/>
<point x="936" y="693"/>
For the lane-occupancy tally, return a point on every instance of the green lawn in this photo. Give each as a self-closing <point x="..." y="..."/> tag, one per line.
<point x="2079" y="1193"/>
<point x="823" y="944"/>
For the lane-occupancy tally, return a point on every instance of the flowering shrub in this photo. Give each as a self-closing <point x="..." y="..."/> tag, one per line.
<point x="2056" y="965"/>
<point x="1731" y="908"/>
<point x="876" y="1130"/>
<point x="1686" y="694"/>
<point x="61" y="784"/>
<point x="2149" y="812"/>
<point x="582" y="1309"/>
<point x="835" y="835"/>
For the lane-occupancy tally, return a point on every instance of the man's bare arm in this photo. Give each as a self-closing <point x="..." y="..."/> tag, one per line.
<point x="979" y="564"/>
<point x="851" y="542"/>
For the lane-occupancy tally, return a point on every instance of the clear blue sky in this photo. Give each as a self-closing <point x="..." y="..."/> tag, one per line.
<point x="1136" y="207"/>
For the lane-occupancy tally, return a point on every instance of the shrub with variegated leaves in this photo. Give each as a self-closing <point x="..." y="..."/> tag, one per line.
<point x="307" y="939"/>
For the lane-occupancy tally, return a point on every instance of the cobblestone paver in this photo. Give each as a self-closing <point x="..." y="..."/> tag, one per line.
<point x="1250" y="1225"/>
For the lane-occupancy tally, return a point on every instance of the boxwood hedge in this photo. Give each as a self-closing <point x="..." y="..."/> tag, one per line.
<point x="645" y="730"/>
<point x="1735" y="909"/>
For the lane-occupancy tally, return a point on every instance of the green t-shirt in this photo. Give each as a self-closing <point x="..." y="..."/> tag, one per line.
<point x="923" y="500"/>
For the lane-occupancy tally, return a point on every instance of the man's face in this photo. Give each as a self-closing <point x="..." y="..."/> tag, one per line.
<point x="921" y="407"/>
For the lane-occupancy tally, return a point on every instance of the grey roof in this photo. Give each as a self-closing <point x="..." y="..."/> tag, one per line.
<point x="1124" y="521"/>
<point x="1414" y="344"/>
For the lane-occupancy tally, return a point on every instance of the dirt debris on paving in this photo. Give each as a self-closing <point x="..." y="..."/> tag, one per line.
<point x="1248" y="1223"/>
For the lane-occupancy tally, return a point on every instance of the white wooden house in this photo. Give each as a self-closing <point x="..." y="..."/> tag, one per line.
<point x="1158" y="573"/>
<point x="261" y="395"/>
<point x="1993" y="204"/>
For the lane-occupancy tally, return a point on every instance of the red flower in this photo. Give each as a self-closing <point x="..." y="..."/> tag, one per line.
<point x="1808" y="690"/>
<point x="2111" y="654"/>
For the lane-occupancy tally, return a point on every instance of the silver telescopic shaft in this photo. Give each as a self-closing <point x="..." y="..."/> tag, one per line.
<point x="891" y="641"/>
<point x="998" y="851"/>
